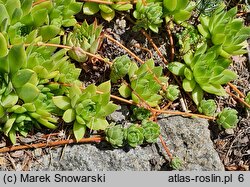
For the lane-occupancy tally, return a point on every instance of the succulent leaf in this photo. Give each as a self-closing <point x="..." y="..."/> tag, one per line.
<point x="247" y="98"/>
<point x="227" y="118"/>
<point x="172" y="92"/>
<point x="28" y="92"/>
<point x="177" y="68"/>
<point x="134" y="135"/>
<point x="69" y="115"/>
<point x="170" y="4"/>
<point x="90" y="8"/>
<point x="115" y="135"/>
<point x="3" y="46"/>
<point x="207" y="107"/>
<point x="120" y="68"/>
<point x="62" y="102"/>
<point x="16" y="58"/>
<point x="151" y="131"/>
<point x="79" y="130"/>
<point x="97" y="124"/>
<point x="176" y="163"/>
<point x="21" y="77"/>
<point x="148" y="16"/>
<point x="141" y="113"/>
<point x="9" y="101"/>
<point x="125" y="91"/>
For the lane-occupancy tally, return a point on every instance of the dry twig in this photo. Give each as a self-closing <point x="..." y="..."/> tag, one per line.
<point x="95" y="139"/>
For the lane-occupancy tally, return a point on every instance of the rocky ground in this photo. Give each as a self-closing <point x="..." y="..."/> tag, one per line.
<point x="189" y="139"/>
<point x="198" y="143"/>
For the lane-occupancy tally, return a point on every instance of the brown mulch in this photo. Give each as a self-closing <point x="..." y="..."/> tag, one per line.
<point x="233" y="145"/>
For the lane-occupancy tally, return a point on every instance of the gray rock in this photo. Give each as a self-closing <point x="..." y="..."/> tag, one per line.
<point x="89" y="158"/>
<point x="119" y="115"/>
<point x="189" y="139"/>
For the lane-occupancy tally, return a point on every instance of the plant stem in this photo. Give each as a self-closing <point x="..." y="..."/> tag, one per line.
<point x="95" y="139"/>
<point x="242" y="13"/>
<point x="238" y="98"/>
<point x="78" y="49"/>
<point x="166" y="148"/>
<point x="144" y="103"/>
<point x="171" y="41"/>
<point x="145" y="49"/>
<point x="119" y="99"/>
<point x="183" y="114"/>
<point x="236" y="89"/>
<point x="126" y="49"/>
<point x="154" y="46"/>
<point x="109" y="2"/>
<point x="38" y="2"/>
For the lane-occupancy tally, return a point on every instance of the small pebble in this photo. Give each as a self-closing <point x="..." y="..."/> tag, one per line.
<point x="26" y="140"/>
<point x="122" y="23"/>
<point x="229" y="131"/>
<point x="2" y="144"/>
<point x="17" y="154"/>
<point x="38" y="152"/>
<point x="3" y="161"/>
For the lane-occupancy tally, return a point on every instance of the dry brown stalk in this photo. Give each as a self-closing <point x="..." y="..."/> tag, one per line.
<point x="38" y="2"/>
<point x="183" y="114"/>
<point x="166" y="148"/>
<point x="145" y="49"/>
<point x="171" y="41"/>
<point x="125" y="48"/>
<point x="238" y="98"/>
<point x="95" y="139"/>
<point x="109" y="2"/>
<point x="236" y="89"/>
<point x="154" y="46"/>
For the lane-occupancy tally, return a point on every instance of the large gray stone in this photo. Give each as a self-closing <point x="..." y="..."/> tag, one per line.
<point x="189" y="139"/>
<point x="89" y="158"/>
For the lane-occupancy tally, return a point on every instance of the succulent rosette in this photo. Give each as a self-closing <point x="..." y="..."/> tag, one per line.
<point x="227" y="118"/>
<point x="172" y="92"/>
<point x="151" y="131"/>
<point x="134" y="135"/>
<point x="115" y="135"/>
<point x="207" y="107"/>
<point x="84" y="37"/>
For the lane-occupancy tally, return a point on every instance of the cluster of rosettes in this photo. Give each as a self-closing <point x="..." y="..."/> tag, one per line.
<point x="134" y="135"/>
